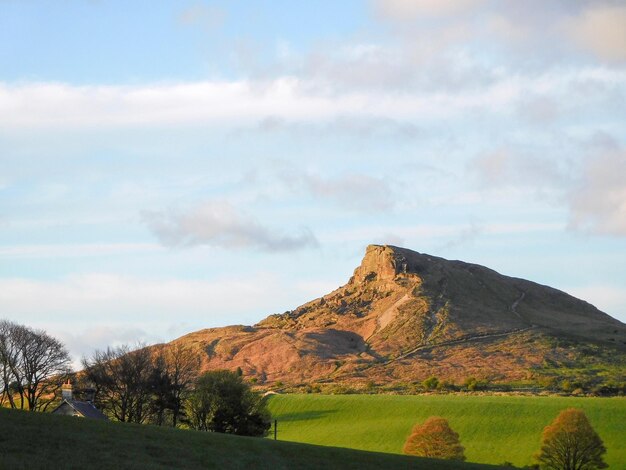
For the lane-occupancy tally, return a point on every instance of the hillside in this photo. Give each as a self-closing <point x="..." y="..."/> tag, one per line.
<point x="32" y="441"/>
<point x="493" y="429"/>
<point x="404" y="316"/>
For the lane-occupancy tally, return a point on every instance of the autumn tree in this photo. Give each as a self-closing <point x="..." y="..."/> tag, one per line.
<point x="434" y="438"/>
<point x="570" y="443"/>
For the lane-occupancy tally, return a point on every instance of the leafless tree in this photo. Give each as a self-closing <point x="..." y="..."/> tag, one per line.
<point x="34" y="365"/>
<point x="182" y="367"/>
<point x="9" y="359"/>
<point x="121" y="377"/>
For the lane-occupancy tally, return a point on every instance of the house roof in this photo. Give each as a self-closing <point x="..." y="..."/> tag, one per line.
<point x="85" y="408"/>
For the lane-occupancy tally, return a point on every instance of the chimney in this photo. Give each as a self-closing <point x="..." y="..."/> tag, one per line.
<point x="66" y="391"/>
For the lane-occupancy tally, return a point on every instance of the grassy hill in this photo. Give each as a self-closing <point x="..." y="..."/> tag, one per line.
<point x="42" y="441"/>
<point x="493" y="429"/>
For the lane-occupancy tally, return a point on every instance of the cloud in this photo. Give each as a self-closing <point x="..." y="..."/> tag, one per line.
<point x="77" y="250"/>
<point x="79" y="301"/>
<point x="409" y="9"/>
<point x="540" y="110"/>
<point x="323" y="98"/>
<point x="209" y="17"/>
<point x="601" y="29"/>
<point x="95" y="310"/>
<point x="84" y="343"/>
<point x="218" y="223"/>
<point x="505" y="167"/>
<point x="464" y="236"/>
<point x="357" y="126"/>
<point x="357" y="192"/>
<point x="597" y="202"/>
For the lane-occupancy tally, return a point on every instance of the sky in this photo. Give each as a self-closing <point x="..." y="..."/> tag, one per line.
<point x="172" y="166"/>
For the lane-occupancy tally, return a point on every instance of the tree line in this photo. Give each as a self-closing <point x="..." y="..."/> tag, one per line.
<point x="161" y="385"/>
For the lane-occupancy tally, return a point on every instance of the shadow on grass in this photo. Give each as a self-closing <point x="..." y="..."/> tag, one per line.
<point x="305" y="415"/>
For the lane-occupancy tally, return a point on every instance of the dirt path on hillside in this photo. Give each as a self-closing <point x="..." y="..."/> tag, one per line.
<point x="467" y="339"/>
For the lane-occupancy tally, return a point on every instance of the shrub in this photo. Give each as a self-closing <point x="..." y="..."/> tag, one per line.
<point x="473" y="384"/>
<point x="434" y="438"/>
<point x="430" y="383"/>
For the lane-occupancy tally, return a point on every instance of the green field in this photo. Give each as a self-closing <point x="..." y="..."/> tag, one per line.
<point x="33" y="441"/>
<point x="493" y="429"/>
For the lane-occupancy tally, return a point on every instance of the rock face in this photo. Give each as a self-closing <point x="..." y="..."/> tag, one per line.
<point x="382" y="263"/>
<point x="404" y="316"/>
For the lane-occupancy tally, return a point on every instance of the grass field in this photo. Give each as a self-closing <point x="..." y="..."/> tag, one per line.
<point x="42" y="441"/>
<point x="493" y="429"/>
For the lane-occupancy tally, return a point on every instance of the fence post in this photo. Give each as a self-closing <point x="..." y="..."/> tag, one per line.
<point x="275" y="428"/>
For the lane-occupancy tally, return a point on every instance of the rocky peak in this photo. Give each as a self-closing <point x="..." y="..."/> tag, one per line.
<point x="381" y="262"/>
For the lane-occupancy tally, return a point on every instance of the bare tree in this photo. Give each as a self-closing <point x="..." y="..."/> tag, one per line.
<point x="34" y="365"/>
<point x="122" y="381"/>
<point x="45" y="363"/>
<point x="182" y="366"/>
<point x="9" y="359"/>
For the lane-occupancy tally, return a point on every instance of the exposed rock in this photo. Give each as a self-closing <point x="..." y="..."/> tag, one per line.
<point x="406" y="315"/>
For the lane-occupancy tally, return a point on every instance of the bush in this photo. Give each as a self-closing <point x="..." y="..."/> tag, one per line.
<point x="434" y="438"/>
<point x="430" y="383"/>
<point x="473" y="384"/>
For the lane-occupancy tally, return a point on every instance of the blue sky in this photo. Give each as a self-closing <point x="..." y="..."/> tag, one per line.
<point x="171" y="166"/>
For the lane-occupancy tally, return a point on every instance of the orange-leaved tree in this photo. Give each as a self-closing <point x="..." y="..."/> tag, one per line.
<point x="434" y="438"/>
<point x="570" y="443"/>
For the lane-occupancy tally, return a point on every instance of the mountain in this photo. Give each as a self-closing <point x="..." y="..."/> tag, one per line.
<point x="404" y="316"/>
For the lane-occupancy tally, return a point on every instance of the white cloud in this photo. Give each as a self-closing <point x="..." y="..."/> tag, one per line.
<point x="356" y="192"/>
<point x="83" y="343"/>
<point x="409" y="9"/>
<point x="208" y="17"/>
<point x="96" y="310"/>
<point x="37" y="105"/>
<point x="601" y="29"/>
<point x="504" y="167"/>
<point x="104" y="299"/>
<point x="598" y="201"/>
<point x="402" y="234"/>
<point x="218" y="223"/>
<point x="78" y="250"/>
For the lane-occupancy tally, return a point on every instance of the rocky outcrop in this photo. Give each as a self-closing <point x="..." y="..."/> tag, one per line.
<point x="405" y="315"/>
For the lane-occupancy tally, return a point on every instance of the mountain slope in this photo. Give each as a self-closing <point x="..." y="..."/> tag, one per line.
<point x="404" y="316"/>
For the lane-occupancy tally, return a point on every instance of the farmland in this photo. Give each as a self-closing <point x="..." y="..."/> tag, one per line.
<point x="493" y="429"/>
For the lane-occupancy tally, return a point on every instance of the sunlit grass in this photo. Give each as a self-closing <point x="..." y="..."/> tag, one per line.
<point x="493" y="429"/>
